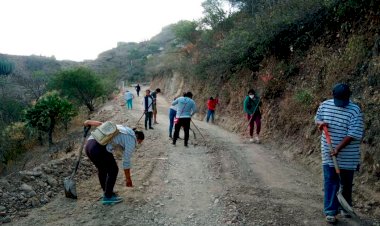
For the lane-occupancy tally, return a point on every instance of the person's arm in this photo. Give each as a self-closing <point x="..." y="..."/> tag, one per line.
<point x="245" y="105"/>
<point x="194" y="109"/>
<point x="128" y="179"/>
<point x="92" y="123"/>
<point x="341" y="145"/>
<point x="175" y="102"/>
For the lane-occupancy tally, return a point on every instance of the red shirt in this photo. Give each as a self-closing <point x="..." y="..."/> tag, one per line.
<point x="211" y="104"/>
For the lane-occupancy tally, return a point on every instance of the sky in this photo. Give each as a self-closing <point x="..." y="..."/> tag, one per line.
<point x="81" y="29"/>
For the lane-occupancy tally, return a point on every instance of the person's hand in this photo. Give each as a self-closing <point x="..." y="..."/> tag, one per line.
<point x="334" y="152"/>
<point x="128" y="183"/>
<point x="321" y="125"/>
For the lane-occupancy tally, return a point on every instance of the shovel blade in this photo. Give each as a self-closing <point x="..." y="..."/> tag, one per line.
<point x="70" y="188"/>
<point x="344" y="204"/>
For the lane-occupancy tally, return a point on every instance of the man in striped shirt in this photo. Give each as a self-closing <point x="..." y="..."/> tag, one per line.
<point x="345" y="124"/>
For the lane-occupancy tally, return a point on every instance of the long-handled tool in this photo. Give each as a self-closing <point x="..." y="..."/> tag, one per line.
<point x="198" y="130"/>
<point x="341" y="199"/>
<point x="69" y="182"/>
<point x="142" y="115"/>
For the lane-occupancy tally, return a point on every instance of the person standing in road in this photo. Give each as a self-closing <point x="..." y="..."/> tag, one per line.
<point x="211" y="105"/>
<point x="128" y="97"/>
<point x="154" y="96"/>
<point x="138" y="88"/>
<point x="186" y="108"/>
<point x="252" y="108"/>
<point x="148" y="109"/>
<point x="172" y="114"/>
<point x="104" y="161"/>
<point x="344" y="121"/>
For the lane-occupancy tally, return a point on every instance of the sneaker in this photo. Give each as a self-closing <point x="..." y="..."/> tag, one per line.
<point x="330" y="219"/>
<point x="251" y="140"/>
<point x="257" y="140"/>
<point x="186" y="146"/>
<point x="113" y="200"/>
<point x="155" y="123"/>
<point x="345" y="214"/>
<point x="151" y="128"/>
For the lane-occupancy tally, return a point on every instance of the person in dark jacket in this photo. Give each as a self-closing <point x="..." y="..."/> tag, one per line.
<point x="252" y="108"/>
<point x="138" y="88"/>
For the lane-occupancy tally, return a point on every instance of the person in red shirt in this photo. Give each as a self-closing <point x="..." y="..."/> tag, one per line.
<point x="211" y="105"/>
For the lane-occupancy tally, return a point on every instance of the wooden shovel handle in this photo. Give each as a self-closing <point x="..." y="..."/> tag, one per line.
<point x="328" y="139"/>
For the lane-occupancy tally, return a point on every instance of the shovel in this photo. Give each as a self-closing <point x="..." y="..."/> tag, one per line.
<point x="69" y="182"/>
<point x="344" y="204"/>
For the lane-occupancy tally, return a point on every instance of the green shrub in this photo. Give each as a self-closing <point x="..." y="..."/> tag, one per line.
<point x="304" y="97"/>
<point x="14" y="140"/>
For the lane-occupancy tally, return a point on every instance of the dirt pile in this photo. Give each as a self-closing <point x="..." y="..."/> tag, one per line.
<point x="21" y="191"/>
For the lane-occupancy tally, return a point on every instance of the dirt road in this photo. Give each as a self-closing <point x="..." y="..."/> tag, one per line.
<point x="220" y="181"/>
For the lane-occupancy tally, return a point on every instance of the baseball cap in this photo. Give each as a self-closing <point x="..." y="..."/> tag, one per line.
<point x="341" y="93"/>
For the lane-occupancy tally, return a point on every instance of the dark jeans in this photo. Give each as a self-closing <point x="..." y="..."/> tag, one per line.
<point x="185" y="123"/>
<point x="106" y="165"/>
<point x="210" y="113"/>
<point x="138" y="92"/>
<point x="331" y="186"/>
<point x="256" y="119"/>
<point x="172" y="114"/>
<point x="148" y="119"/>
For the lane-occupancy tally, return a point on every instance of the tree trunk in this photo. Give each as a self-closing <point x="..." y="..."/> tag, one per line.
<point x="51" y="130"/>
<point x="90" y="107"/>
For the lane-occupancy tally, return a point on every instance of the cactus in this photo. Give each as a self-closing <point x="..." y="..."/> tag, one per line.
<point x="6" y="67"/>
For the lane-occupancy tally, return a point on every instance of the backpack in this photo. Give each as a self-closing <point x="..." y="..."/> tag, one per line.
<point x="104" y="133"/>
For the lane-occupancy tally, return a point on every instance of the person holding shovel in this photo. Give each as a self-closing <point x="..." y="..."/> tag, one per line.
<point x="186" y="108"/>
<point x="344" y="122"/>
<point x="104" y="161"/>
<point x="252" y="108"/>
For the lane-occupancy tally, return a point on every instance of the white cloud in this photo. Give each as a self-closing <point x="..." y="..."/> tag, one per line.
<point x="81" y="29"/>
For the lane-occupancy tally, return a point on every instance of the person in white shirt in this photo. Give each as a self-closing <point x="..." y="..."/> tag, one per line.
<point x="148" y="109"/>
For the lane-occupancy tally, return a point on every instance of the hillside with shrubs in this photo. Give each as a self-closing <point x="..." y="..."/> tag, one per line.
<point x="291" y="52"/>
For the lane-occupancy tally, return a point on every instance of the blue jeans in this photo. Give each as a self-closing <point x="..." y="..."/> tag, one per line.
<point x="331" y="184"/>
<point x="210" y="113"/>
<point x="172" y="114"/>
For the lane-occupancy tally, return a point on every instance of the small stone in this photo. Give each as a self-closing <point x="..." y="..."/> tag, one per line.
<point x="26" y="188"/>
<point x="23" y="214"/>
<point x="52" y="182"/>
<point x="216" y="201"/>
<point x="6" y="219"/>
<point x="2" y="208"/>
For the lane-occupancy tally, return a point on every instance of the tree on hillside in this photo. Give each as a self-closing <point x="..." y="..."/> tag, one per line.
<point x="186" y="31"/>
<point x="80" y="85"/>
<point x="6" y="67"/>
<point x="34" y="83"/>
<point x="214" y="13"/>
<point x="49" y="111"/>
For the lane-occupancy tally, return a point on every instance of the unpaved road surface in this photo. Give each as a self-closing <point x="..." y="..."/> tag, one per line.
<point x="221" y="180"/>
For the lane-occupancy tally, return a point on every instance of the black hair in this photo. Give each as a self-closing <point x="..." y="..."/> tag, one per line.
<point x="211" y="98"/>
<point x="139" y="134"/>
<point x="251" y="91"/>
<point x="158" y="90"/>
<point x="189" y="94"/>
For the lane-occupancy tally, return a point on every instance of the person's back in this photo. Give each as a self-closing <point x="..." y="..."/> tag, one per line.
<point x="211" y="104"/>
<point x="128" y="95"/>
<point x="185" y="107"/>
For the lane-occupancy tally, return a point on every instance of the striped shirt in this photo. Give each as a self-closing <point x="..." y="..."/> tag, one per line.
<point x="342" y="122"/>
